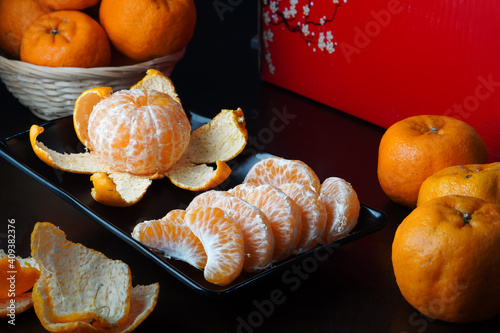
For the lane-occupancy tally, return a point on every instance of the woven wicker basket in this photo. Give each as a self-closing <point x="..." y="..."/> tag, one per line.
<point x="51" y="92"/>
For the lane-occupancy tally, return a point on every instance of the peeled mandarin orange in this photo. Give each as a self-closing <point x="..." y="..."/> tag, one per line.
<point x="277" y="171"/>
<point x="223" y="242"/>
<point x="416" y="147"/>
<point x="172" y="236"/>
<point x="281" y="211"/>
<point x="473" y="180"/>
<point x="139" y="131"/>
<point x="342" y="207"/>
<point x="256" y="230"/>
<point x="65" y="38"/>
<point x="313" y="215"/>
<point x="130" y="142"/>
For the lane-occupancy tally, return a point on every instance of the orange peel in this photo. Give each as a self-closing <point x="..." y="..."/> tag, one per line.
<point x="24" y="272"/>
<point x="202" y="166"/>
<point x="80" y="289"/>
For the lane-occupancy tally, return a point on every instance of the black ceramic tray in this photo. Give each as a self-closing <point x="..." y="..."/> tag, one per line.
<point x="160" y="198"/>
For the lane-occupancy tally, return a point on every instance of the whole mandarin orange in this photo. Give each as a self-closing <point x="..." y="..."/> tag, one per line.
<point x="446" y="260"/>
<point x="147" y="29"/>
<point x="416" y="147"/>
<point x="69" y="4"/>
<point x="66" y="38"/>
<point x="15" y="17"/>
<point x="474" y="180"/>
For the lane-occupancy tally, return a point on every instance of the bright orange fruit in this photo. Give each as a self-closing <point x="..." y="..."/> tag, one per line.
<point x="147" y="29"/>
<point x="66" y="38"/>
<point x="473" y="180"/>
<point x="256" y="229"/>
<point x="446" y="259"/>
<point x="223" y="242"/>
<point x="416" y="147"/>
<point x="15" y="17"/>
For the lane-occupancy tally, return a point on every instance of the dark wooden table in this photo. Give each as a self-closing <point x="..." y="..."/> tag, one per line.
<point x="354" y="290"/>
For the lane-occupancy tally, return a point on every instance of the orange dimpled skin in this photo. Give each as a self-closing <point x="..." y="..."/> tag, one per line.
<point x="69" y="4"/>
<point x="416" y="147"/>
<point x="446" y="260"/>
<point x="474" y="180"/>
<point x="277" y="171"/>
<point x="66" y="38"/>
<point x="138" y="131"/>
<point x="223" y="242"/>
<point x="15" y="17"/>
<point x="147" y="29"/>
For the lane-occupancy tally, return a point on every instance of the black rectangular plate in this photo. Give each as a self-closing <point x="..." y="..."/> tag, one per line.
<point x="160" y="198"/>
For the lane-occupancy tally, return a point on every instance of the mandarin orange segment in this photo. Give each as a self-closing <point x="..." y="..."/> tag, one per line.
<point x="342" y="206"/>
<point x="81" y="284"/>
<point x="256" y="229"/>
<point x="139" y="132"/>
<point x="313" y="214"/>
<point x="172" y="236"/>
<point x="83" y="108"/>
<point x="277" y="171"/>
<point x="223" y="242"/>
<point x="281" y="211"/>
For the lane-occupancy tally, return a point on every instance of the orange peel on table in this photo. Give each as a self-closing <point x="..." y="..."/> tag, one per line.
<point x="23" y="273"/>
<point x="194" y="161"/>
<point x="81" y="289"/>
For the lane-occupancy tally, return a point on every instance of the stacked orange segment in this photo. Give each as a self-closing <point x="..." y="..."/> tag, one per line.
<point x="256" y="229"/>
<point x="278" y="212"/>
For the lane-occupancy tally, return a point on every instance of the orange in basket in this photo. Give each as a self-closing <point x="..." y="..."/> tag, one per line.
<point x="15" y="17"/>
<point x="69" y="4"/>
<point x="147" y="29"/>
<point x="66" y="38"/>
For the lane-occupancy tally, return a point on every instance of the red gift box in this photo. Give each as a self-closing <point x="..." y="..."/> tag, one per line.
<point x="385" y="60"/>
